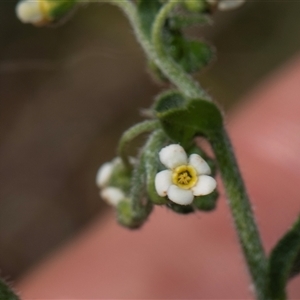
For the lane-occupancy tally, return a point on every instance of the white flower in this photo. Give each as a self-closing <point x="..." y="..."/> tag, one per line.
<point x="111" y="195"/>
<point x="185" y="177"/>
<point x="30" y="11"/>
<point x="104" y="174"/>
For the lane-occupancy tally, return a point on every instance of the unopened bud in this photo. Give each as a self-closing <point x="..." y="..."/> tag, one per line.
<point x="30" y="12"/>
<point x="194" y="5"/>
<point x="40" y="12"/>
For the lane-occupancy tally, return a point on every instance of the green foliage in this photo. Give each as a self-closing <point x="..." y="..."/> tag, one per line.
<point x="184" y="119"/>
<point x="195" y="5"/>
<point x="295" y="270"/>
<point x="178" y="22"/>
<point x="192" y="55"/>
<point x="207" y="202"/>
<point x="148" y="10"/>
<point x="60" y="8"/>
<point x="6" y="293"/>
<point x="131" y="218"/>
<point x="284" y="262"/>
<point x="120" y="177"/>
<point x="134" y="211"/>
<point x="180" y="209"/>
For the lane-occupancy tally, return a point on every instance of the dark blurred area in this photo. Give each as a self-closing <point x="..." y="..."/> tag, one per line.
<point x="67" y="94"/>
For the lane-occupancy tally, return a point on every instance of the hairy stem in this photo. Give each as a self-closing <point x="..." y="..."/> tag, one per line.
<point x="237" y="197"/>
<point x="186" y="84"/>
<point x="154" y="48"/>
<point x="241" y="211"/>
<point x="154" y="144"/>
<point x="133" y="133"/>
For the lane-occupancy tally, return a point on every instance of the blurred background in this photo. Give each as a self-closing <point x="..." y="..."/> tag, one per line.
<point x="67" y="94"/>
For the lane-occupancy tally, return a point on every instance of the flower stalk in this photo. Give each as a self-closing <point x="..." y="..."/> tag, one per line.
<point x="241" y="212"/>
<point x="133" y="186"/>
<point x="237" y="197"/>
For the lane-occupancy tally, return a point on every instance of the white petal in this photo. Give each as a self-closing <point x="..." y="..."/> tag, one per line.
<point x="163" y="180"/>
<point x="104" y="174"/>
<point x="199" y="164"/>
<point x="180" y="196"/>
<point x="29" y="11"/>
<point x="230" y="4"/>
<point x="205" y="185"/>
<point x="173" y="156"/>
<point x="112" y="195"/>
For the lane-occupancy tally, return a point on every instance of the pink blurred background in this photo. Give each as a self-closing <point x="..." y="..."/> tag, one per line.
<point x="67" y="94"/>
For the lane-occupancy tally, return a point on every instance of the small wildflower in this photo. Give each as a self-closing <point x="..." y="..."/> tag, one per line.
<point x="41" y="12"/>
<point x="185" y="177"/>
<point x="30" y="12"/>
<point x="111" y="195"/>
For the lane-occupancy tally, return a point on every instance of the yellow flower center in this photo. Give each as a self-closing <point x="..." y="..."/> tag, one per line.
<point x="185" y="176"/>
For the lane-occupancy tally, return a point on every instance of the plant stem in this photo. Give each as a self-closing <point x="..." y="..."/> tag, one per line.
<point x="131" y="134"/>
<point x="186" y="84"/>
<point x="237" y="197"/>
<point x="154" y="51"/>
<point x="154" y="144"/>
<point x="241" y="211"/>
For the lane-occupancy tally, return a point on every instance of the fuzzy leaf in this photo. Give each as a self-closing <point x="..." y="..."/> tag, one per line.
<point x="183" y="119"/>
<point x="183" y="21"/>
<point x="148" y="10"/>
<point x="207" y="202"/>
<point x="192" y="55"/>
<point x="180" y="209"/>
<point x="284" y="262"/>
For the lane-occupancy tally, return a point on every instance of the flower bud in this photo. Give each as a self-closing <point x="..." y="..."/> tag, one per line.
<point x="41" y="12"/>
<point x="194" y="5"/>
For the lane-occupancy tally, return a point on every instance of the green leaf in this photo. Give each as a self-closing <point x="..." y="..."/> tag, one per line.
<point x="6" y="293"/>
<point x="183" y="21"/>
<point x="180" y="209"/>
<point x="183" y="119"/>
<point x="169" y="101"/>
<point x="195" y="5"/>
<point x="207" y="202"/>
<point x="148" y="9"/>
<point x="192" y="55"/>
<point x="284" y="262"/>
